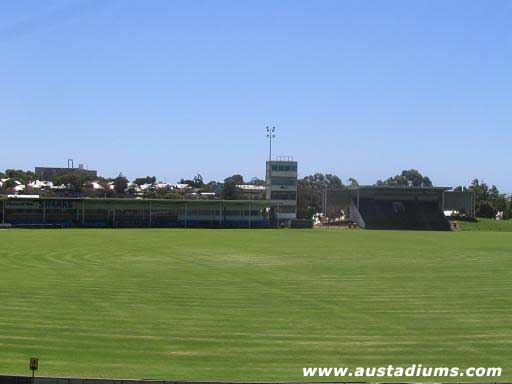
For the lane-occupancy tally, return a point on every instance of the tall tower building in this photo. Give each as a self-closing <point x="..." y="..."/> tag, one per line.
<point x="281" y="186"/>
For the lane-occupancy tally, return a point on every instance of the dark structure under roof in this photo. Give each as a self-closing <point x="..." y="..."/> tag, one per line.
<point x="398" y="207"/>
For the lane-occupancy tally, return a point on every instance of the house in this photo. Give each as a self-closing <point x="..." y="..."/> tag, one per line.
<point x="40" y="184"/>
<point x="95" y="185"/>
<point x="251" y="192"/>
<point x="182" y="186"/>
<point x="165" y="186"/>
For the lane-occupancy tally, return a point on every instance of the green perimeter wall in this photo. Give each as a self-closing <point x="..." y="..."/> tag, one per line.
<point x="138" y="212"/>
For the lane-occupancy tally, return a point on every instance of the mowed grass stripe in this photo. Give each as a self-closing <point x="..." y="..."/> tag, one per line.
<point x="251" y="305"/>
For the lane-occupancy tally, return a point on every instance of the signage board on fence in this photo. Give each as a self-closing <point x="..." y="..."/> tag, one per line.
<point x="40" y="204"/>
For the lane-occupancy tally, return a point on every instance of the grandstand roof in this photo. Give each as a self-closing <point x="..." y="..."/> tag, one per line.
<point x="397" y="187"/>
<point x="139" y="200"/>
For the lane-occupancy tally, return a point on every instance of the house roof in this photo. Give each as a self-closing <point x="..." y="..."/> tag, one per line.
<point x="251" y="187"/>
<point x="255" y="203"/>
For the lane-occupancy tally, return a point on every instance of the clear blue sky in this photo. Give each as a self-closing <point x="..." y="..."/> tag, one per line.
<point x="362" y="89"/>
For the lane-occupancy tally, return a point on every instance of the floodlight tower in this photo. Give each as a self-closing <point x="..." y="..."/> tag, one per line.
<point x="271" y="135"/>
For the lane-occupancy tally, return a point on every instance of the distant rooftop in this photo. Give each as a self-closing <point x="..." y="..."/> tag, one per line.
<point x="251" y="187"/>
<point x="283" y="159"/>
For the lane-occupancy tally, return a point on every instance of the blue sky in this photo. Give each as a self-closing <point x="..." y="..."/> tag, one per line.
<point x="362" y="89"/>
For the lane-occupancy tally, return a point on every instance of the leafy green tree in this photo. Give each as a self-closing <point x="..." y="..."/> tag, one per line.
<point x="196" y="182"/>
<point x="408" y="178"/>
<point x="162" y="194"/>
<point x="212" y="186"/>
<point x="106" y="190"/>
<point x="9" y="184"/>
<point x="75" y="180"/>
<point x="120" y="184"/>
<point x="229" y="189"/>
<point x="24" y="177"/>
<point x="145" y="180"/>
<point x="488" y="200"/>
<point x="310" y="192"/>
<point x="257" y="181"/>
<point x="353" y="182"/>
<point x="237" y="179"/>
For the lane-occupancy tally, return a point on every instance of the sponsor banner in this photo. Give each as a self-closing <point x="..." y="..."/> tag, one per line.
<point x="39" y="204"/>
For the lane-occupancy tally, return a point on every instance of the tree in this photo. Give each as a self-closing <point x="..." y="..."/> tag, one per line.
<point x="145" y="180"/>
<point x="353" y="182"/>
<point x="106" y="189"/>
<point x="321" y="182"/>
<point x="488" y="200"/>
<point x="73" y="180"/>
<point x="257" y="181"/>
<point x="120" y="184"/>
<point x="485" y="209"/>
<point x="196" y="182"/>
<point x="237" y="179"/>
<point x="162" y="194"/>
<point x="408" y="178"/>
<point x="310" y="192"/>
<point x="8" y="184"/>
<point x="24" y="177"/>
<point x="229" y="189"/>
<point x="212" y="186"/>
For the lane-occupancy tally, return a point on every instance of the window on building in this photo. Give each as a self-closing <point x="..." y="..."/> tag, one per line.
<point x="284" y="167"/>
<point x="277" y="195"/>
<point x="284" y="180"/>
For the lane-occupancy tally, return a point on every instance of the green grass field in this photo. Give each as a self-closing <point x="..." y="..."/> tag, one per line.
<point x="487" y="225"/>
<point x="252" y="305"/>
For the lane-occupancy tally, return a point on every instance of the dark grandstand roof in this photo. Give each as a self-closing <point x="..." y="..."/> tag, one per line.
<point x="397" y="188"/>
<point x="255" y="202"/>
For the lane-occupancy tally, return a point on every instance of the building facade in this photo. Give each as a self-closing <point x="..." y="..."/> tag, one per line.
<point x="48" y="173"/>
<point x="136" y="213"/>
<point x="251" y="192"/>
<point x="398" y="207"/>
<point x="281" y="187"/>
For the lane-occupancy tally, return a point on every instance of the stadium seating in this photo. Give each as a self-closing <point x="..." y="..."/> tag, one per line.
<point x="405" y="214"/>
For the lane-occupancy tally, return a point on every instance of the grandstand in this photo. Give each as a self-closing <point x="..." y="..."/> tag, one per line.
<point x="398" y="207"/>
<point x="119" y="213"/>
<point x="371" y="207"/>
<point x="387" y="207"/>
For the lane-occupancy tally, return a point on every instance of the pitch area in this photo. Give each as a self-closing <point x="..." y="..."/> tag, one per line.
<point x="251" y="304"/>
